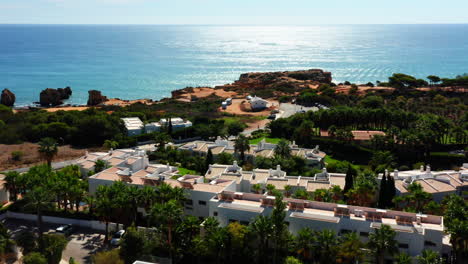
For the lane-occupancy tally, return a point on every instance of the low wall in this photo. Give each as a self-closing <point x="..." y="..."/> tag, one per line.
<point x="91" y="224"/>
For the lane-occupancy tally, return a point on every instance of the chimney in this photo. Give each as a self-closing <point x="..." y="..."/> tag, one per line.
<point x="386" y="173"/>
<point x="421" y="168"/>
<point x="234" y="163"/>
<point x="428" y="168"/>
<point x="278" y="167"/>
<point x="395" y="174"/>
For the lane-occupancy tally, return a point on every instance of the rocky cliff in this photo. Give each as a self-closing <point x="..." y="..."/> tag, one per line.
<point x="95" y="98"/>
<point x="54" y="97"/>
<point x="7" y="98"/>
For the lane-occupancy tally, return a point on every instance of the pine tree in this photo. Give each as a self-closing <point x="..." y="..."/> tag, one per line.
<point x="349" y="180"/>
<point x="391" y="191"/>
<point x="209" y="159"/>
<point x="169" y="127"/>
<point x="383" y="192"/>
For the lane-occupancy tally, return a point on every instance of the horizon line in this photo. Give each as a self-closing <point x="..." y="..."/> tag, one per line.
<point x="263" y="25"/>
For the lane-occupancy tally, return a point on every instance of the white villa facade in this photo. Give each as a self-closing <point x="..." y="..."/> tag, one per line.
<point x="314" y="157"/>
<point x="135" y="126"/>
<point x="438" y="183"/>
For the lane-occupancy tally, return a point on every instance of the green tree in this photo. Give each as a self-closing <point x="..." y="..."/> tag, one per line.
<point x="263" y="229"/>
<point x="99" y="165"/>
<point x="456" y="222"/>
<point x="304" y="244"/>
<point x="224" y="158"/>
<point x="282" y="149"/>
<point x="403" y="258"/>
<point x="110" y="144"/>
<point x="257" y="188"/>
<point x="6" y="243"/>
<point x="53" y="246"/>
<point x="235" y="128"/>
<point x="161" y="140"/>
<point x="383" y="192"/>
<point x="434" y="79"/>
<point x="350" y="249"/>
<point x="107" y="257"/>
<point x="326" y="246"/>
<point x="287" y="190"/>
<point x="280" y="230"/>
<point x="429" y="257"/>
<point x="209" y="159"/>
<point x="349" y="179"/>
<point x="241" y="145"/>
<point x="48" y="148"/>
<point x="168" y="215"/>
<point x="12" y="179"/>
<point x="27" y="241"/>
<point x="132" y="245"/>
<point x="381" y="242"/>
<point x="34" y="258"/>
<point x="39" y="199"/>
<point x="270" y="189"/>
<point x="292" y="260"/>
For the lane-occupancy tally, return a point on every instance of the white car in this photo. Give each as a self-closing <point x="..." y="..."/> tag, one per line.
<point x="115" y="241"/>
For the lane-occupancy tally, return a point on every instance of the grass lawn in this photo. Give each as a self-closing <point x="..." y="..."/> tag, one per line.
<point x="268" y="140"/>
<point x="184" y="171"/>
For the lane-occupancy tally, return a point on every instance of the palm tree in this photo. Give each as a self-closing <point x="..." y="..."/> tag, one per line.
<point x="256" y="188"/>
<point x="262" y="227"/>
<point x="417" y="197"/>
<point x="403" y="258"/>
<point x="11" y="184"/>
<point x="168" y="216"/>
<point x="326" y="246"/>
<point x="39" y="199"/>
<point x="287" y="190"/>
<point x="270" y="188"/>
<point x="304" y="243"/>
<point x="161" y="140"/>
<point x="104" y="209"/>
<point x="99" y="165"/>
<point x="48" y="148"/>
<point x="429" y="257"/>
<point x="382" y="242"/>
<point x="6" y="243"/>
<point x="241" y="145"/>
<point x="283" y="149"/>
<point x="351" y="249"/>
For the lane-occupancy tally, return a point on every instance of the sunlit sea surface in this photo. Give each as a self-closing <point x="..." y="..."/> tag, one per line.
<point x="131" y="62"/>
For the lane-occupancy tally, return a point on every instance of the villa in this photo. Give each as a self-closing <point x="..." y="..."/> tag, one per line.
<point x="276" y="177"/>
<point x="133" y="125"/>
<point x="438" y="183"/>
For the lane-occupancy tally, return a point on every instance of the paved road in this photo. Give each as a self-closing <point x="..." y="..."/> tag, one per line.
<point x="83" y="243"/>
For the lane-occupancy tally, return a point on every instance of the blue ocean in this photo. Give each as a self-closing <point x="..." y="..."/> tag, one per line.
<point x="148" y="61"/>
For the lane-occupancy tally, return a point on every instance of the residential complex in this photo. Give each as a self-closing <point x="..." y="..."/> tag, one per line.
<point x="135" y="126"/>
<point x="313" y="157"/>
<point x="224" y="193"/>
<point x="257" y="103"/>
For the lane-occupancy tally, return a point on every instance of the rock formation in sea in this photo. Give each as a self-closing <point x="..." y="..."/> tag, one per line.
<point x="7" y="98"/>
<point x="96" y="98"/>
<point x="54" y="97"/>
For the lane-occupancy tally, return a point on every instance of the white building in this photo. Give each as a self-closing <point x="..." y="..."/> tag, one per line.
<point x="257" y="103"/>
<point x="438" y="183"/>
<point x="415" y="232"/>
<point x="133" y="125"/>
<point x="314" y="157"/>
<point x="276" y="177"/>
<point x="177" y="123"/>
<point x="4" y="193"/>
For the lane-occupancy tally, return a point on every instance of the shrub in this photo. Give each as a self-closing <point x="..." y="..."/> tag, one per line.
<point x="17" y="155"/>
<point x="34" y="258"/>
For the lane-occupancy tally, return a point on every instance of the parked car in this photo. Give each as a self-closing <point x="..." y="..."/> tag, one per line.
<point x="117" y="237"/>
<point x="273" y="117"/>
<point x="65" y="229"/>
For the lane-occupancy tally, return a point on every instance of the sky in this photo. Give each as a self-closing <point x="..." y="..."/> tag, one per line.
<point x="240" y="12"/>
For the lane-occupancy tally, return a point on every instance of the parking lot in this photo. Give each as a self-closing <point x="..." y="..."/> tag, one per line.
<point x="83" y="242"/>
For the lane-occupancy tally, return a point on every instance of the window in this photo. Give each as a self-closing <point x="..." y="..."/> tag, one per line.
<point x="232" y="221"/>
<point x="188" y="202"/>
<point x="364" y="234"/>
<point x="402" y="245"/>
<point x="429" y="243"/>
<point x="215" y="213"/>
<point x="246" y="223"/>
<point x="201" y="202"/>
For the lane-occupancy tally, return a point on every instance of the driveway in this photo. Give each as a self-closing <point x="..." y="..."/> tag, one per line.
<point x="83" y="243"/>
